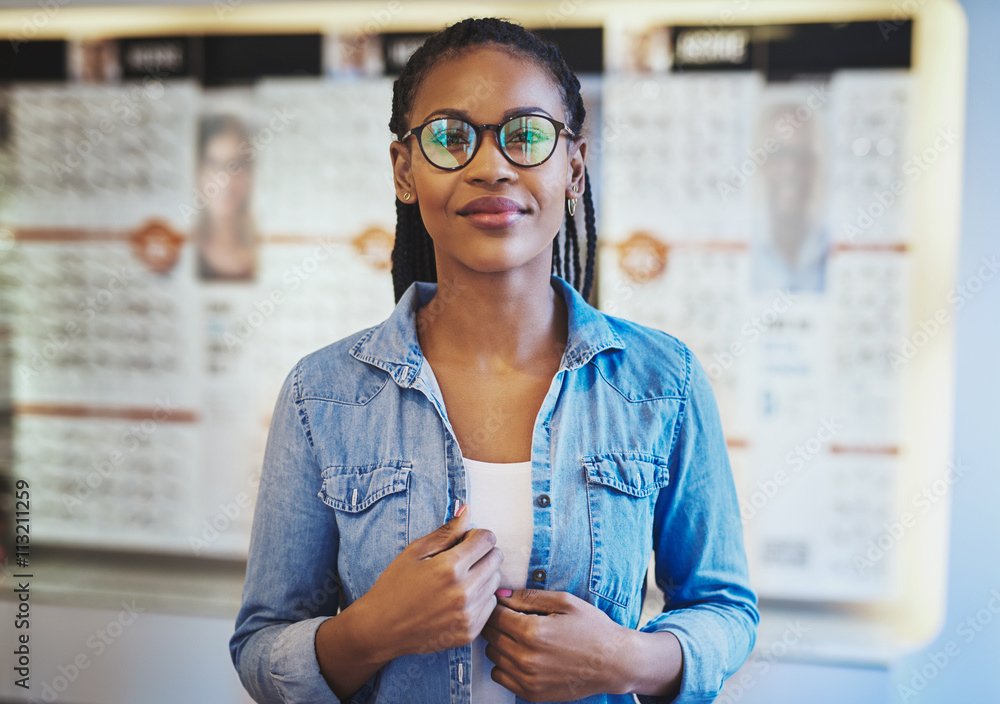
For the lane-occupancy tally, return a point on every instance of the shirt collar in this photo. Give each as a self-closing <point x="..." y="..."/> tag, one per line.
<point x="393" y="345"/>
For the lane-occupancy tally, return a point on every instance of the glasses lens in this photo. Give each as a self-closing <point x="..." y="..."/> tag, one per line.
<point x="448" y="143"/>
<point x="528" y="139"/>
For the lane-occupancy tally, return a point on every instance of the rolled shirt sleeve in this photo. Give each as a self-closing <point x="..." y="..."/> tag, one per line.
<point x="701" y="562"/>
<point x="292" y="584"/>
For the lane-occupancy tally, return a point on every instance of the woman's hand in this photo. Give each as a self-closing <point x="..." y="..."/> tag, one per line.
<point x="553" y="646"/>
<point x="437" y="593"/>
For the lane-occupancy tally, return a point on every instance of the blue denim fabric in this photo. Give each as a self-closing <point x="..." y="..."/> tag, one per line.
<point x="361" y="459"/>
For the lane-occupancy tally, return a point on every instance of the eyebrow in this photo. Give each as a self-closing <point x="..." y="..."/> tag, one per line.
<point x="449" y="112"/>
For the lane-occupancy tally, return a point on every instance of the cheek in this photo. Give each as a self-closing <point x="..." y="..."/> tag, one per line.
<point x="552" y="193"/>
<point x="434" y="193"/>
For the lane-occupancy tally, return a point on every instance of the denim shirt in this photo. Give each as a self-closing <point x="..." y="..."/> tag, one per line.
<point x="628" y="458"/>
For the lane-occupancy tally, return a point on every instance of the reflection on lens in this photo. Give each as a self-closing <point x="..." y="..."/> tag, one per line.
<point x="528" y="139"/>
<point x="448" y="142"/>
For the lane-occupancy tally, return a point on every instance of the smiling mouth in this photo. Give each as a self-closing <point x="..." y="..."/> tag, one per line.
<point x="494" y="220"/>
<point x="491" y="205"/>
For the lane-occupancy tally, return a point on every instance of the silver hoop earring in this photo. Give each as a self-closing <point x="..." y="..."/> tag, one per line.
<point x="571" y="206"/>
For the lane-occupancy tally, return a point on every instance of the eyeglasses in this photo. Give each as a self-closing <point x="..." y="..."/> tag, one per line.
<point x="450" y="143"/>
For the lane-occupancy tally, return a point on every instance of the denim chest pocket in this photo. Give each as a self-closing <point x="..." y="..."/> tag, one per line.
<point x="371" y="510"/>
<point x="622" y="488"/>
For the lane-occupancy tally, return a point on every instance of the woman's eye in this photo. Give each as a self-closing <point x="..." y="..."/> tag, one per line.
<point x="527" y="136"/>
<point x="451" y="138"/>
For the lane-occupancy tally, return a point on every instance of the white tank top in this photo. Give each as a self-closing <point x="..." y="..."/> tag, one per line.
<point x="499" y="497"/>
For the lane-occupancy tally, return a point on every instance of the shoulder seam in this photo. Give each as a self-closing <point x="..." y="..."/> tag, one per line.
<point x="301" y="408"/>
<point x="685" y="401"/>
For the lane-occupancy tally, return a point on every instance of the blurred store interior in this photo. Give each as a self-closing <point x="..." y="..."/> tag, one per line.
<point x="194" y="194"/>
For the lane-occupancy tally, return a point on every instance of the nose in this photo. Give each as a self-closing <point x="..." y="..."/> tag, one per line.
<point x="489" y="164"/>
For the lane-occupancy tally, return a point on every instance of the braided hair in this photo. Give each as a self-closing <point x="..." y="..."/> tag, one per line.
<point x="413" y="251"/>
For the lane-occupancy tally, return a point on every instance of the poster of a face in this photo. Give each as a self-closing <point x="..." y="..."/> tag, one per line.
<point x="790" y="238"/>
<point x="225" y="233"/>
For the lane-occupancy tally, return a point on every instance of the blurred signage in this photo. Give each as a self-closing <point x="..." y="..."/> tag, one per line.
<point x="786" y="51"/>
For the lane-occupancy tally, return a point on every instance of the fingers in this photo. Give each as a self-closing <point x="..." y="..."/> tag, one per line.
<point x="486" y="567"/>
<point x="478" y="543"/>
<point x="502" y="658"/>
<point x="506" y="620"/>
<point x="540" y="601"/>
<point x="445" y="537"/>
<point x="498" y="639"/>
<point x="484" y="614"/>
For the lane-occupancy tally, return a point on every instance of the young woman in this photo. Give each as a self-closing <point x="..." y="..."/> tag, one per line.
<point x="558" y="446"/>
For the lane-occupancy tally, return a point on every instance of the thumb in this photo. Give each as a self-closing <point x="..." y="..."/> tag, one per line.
<point x="534" y="601"/>
<point x="447" y="536"/>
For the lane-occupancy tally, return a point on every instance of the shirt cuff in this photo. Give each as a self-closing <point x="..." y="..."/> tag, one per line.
<point x="294" y="667"/>
<point x="707" y="654"/>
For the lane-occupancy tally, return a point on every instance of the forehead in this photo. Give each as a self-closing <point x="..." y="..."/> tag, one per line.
<point x="486" y="82"/>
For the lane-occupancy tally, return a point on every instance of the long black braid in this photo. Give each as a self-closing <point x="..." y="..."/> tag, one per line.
<point x="413" y="251"/>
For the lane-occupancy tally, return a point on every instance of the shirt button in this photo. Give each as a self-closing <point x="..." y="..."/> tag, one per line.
<point x="538" y="575"/>
<point x="543" y="500"/>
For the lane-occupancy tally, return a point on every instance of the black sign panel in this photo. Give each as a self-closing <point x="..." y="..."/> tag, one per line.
<point x="32" y="60"/>
<point x="822" y="48"/>
<point x="784" y="51"/>
<point x="243" y="58"/>
<point x="583" y="48"/>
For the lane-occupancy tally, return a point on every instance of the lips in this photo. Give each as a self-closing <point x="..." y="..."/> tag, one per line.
<point x="491" y="205"/>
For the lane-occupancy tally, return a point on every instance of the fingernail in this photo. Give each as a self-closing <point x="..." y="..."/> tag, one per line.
<point x="503" y="592"/>
<point x="460" y="510"/>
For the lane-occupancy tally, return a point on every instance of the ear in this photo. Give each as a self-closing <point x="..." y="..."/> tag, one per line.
<point x="402" y="173"/>
<point x="575" y="168"/>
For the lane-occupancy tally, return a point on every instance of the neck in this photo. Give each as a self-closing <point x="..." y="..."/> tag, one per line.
<point x="493" y="322"/>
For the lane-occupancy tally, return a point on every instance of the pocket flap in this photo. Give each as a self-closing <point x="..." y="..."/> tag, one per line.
<point x="350" y="490"/>
<point x="634" y="473"/>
